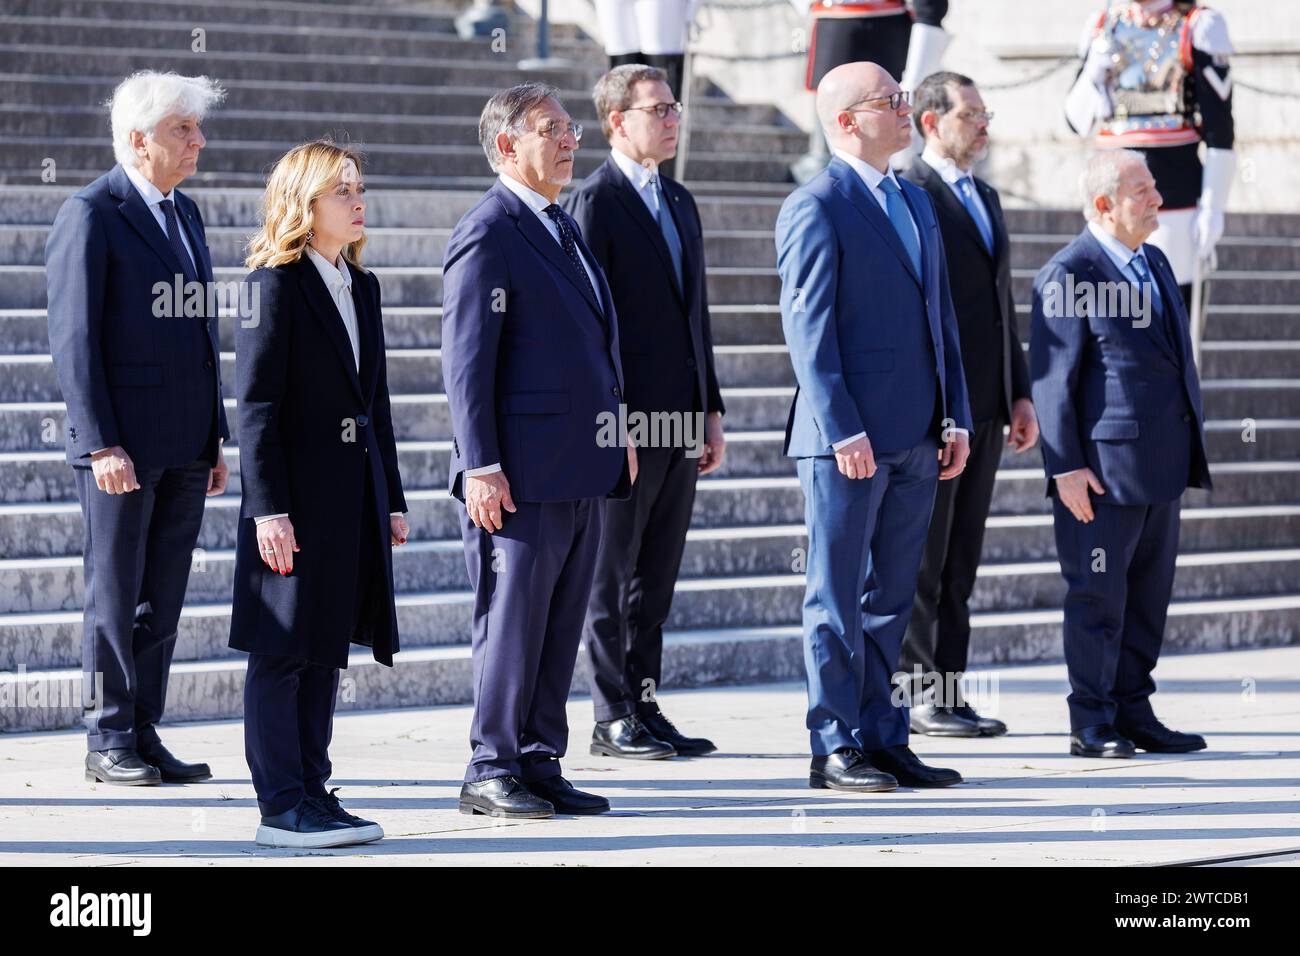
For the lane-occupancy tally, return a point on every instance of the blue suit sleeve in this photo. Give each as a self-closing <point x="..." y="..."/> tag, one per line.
<point x="76" y="262"/>
<point x="954" y="372"/>
<point x="475" y="297"/>
<point x="807" y="259"/>
<point x="261" y="377"/>
<point x="1057" y="342"/>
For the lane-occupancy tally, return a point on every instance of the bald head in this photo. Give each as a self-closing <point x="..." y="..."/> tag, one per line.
<point x="871" y="130"/>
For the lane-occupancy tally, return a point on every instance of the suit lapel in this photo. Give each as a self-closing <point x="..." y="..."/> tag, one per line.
<point x="636" y="208"/>
<point x="367" y="332"/>
<point x="1104" y="269"/>
<point x="947" y="200"/>
<point x="137" y="213"/>
<point x="540" y="238"/>
<point x="1177" y="330"/>
<point x="318" y="297"/>
<point x="851" y="186"/>
<point x="188" y="221"/>
<point x="1001" y="243"/>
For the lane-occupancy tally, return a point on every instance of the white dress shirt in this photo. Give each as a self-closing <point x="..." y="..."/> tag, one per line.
<point x="152" y="196"/>
<point x="873" y="177"/>
<point x="338" y="279"/>
<point x="952" y="174"/>
<point x="536" y="202"/>
<point x="1119" y="254"/>
<point x="640" y="178"/>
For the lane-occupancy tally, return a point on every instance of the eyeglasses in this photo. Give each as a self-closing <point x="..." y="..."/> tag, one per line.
<point x="557" y="132"/>
<point x="895" y="100"/>
<point x="977" y="116"/>
<point x="659" y="109"/>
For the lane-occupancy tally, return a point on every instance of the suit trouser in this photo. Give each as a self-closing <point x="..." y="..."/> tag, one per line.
<point x="1119" y="575"/>
<point x="938" y="636"/>
<point x="865" y="538"/>
<point x="640" y="555"/>
<point x="138" y="551"/>
<point x="531" y="583"/>
<point x="288" y="722"/>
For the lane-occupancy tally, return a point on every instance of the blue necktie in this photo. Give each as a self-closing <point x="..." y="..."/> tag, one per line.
<point x="1139" y="266"/>
<point x="570" y="247"/>
<point x="896" y="209"/>
<point x="669" y="229"/>
<point x="174" y="238"/>
<point x="973" y="207"/>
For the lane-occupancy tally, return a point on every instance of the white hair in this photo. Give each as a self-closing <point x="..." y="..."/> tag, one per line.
<point x="1102" y="175"/>
<point x="143" y="99"/>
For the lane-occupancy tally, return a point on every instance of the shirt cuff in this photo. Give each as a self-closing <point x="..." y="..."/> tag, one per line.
<point x="1072" y="471"/>
<point x="270" y="517"/>
<point x="848" y="441"/>
<point x="485" y="470"/>
<point x="960" y="431"/>
<point x="396" y="514"/>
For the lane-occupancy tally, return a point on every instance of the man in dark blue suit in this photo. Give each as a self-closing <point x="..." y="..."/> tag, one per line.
<point x="1119" y="407"/>
<point x="881" y="414"/>
<point x="139" y="369"/>
<point x="531" y="365"/>
<point x="644" y="230"/>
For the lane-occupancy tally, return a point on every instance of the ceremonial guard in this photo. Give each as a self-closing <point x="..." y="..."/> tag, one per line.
<point x="1155" y="79"/>
<point x="906" y="37"/>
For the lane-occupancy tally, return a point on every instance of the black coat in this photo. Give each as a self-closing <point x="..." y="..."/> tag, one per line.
<point x="298" y="387"/>
<point x="996" y="372"/>
<point x="664" y="337"/>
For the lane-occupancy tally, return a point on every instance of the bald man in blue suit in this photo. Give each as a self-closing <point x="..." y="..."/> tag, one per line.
<point x="880" y="416"/>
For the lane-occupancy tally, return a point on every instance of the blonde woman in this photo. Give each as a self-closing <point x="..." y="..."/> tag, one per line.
<point x="322" y="497"/>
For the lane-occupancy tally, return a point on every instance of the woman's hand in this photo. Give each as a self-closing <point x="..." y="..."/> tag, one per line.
<point x="276" y="544"/>
<point x="399" y="529"/>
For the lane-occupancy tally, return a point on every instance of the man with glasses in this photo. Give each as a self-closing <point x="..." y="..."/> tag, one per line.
<point x="530" y="362"/>
<point x="880" y="415"/>
<point x="644" y="231"/>
<point x="949" y="113"/>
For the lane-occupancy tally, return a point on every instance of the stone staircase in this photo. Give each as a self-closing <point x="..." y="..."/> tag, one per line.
<point x="395" y="78"/>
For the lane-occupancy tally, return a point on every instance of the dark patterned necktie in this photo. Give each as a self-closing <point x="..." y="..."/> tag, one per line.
<point x="570" y="247"/>
<point x="174" y="238"/>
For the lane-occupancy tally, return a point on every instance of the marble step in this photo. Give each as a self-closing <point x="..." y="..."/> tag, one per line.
<point x="213" y="689"/>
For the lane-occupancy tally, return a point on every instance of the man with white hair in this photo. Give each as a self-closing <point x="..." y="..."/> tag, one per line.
<point x="139" y="366"/>
<point x="1119" y="409"/>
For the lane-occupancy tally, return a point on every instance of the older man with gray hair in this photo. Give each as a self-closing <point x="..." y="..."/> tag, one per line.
<point x="1119" y="407"/>
<point x="530" y="358"/>
<point x="145" y="420"/>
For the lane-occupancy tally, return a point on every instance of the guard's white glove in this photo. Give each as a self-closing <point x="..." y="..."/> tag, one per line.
<point x="1096" y="68"/>
<point x="1209" y="230"/>
<point x="1216" y="181"/>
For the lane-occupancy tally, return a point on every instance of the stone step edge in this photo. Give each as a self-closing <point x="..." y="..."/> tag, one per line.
<point x="461" y="652"/>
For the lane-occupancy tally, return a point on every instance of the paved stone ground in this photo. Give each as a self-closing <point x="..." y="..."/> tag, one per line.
<point x="1025" y="801"/>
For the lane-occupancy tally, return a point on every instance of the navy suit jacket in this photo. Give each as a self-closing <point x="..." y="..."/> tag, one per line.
<point x="665" y="340"/>
<point x="530" y="362"/>
<point x="129" y="378"/>
<point x="872" y="342"/>
<point x="1122" y="400"/>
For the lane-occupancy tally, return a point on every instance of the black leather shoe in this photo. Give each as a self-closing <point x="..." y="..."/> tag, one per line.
<point x="989" y="726"/>
<point x="120" y="766"/>
<point x="305" y="826"/>
<point x="907" y="769"/>
<point x="1156" y="738"/>
<point x="504" y="797"/>
<point x="566" y="798"/>
<point x="366" y="830"/>
<point x="848" y="770"/>
<point x="662" y="728"/>
<point x="942" y="722"/>
<point x="172" y="770"/>
<point x="1100" y="740"/>
<point x="628" y="737"/>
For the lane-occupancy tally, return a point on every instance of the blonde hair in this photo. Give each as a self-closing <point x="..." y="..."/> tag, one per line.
<point x="299" y="178"/>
